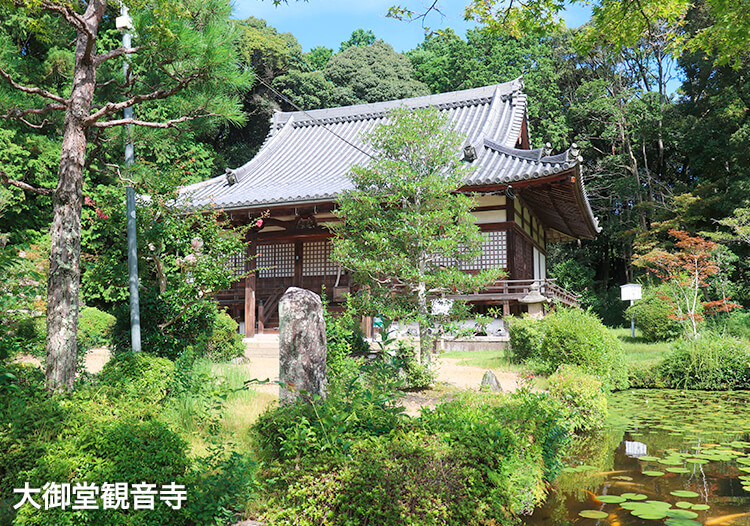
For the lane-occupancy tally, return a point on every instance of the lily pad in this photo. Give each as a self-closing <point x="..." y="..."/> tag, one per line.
<point x="684" y="494"/>
<point x="681" y="514"/>
<point x="653" y="473"/>
<point x="684" y="505"/>
<point x="696" y="460"/>
<point x="611" y="499"/>
<point x="593" y="514"/>
<point x="648" y="458"/>
<point x="671" y="461"/>
<point x="658" y="504"/>
<point x="653" y="515"/>
<point x="682" y="522"/>
<point x="701" y="507"/>
<point x="678" y="470"/>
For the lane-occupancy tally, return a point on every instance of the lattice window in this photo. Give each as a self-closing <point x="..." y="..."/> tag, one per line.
<point x="316" y="259"/>
<point x="494" y="253"/>
<point x="237" y="263"/>
<point x="275" y="260"/>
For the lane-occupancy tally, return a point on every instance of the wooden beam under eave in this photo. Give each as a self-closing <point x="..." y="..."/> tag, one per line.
<point x="250" y="253"/>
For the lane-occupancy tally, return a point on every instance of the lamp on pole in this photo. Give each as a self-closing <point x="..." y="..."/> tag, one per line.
<point x="124" y="23"/>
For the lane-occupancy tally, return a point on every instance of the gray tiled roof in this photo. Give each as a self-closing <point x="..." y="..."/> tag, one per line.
<point x="305" y="160"/>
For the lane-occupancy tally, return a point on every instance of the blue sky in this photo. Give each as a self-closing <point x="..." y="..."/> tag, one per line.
<point x="330" y="22"/>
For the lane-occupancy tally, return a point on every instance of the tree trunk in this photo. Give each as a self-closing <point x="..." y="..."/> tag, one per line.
<point x="64" y="270"/>
<point x="425" y="349"/>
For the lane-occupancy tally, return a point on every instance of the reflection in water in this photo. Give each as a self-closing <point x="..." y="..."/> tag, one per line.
<point x="687" y="452"/>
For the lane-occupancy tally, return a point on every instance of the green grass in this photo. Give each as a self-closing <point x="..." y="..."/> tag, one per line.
<point x="192" y="415"/>
<point x="243" y="407"/>
<point x="637" y="350"/>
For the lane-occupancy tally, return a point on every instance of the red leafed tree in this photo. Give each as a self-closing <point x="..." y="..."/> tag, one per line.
<point x="687" y="269"/>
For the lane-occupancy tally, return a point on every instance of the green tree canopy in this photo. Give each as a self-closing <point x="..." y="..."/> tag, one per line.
<point x="360" y="37"/>
<point x="185" y="55"/>
<point x="374" y="73"/>
<point x="404" y="228"/>
<point x="446" y="62"/>
<point x="725" y="36"/>
<point x="318" y="57"/>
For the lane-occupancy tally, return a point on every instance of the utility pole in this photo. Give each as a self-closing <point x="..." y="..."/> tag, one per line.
<point x="124" y="23"/>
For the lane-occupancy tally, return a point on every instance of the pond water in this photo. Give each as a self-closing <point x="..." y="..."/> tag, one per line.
<point x="666" y="457"/>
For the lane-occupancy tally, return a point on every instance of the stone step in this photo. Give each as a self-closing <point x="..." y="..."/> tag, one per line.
<point x="262" y="345"/>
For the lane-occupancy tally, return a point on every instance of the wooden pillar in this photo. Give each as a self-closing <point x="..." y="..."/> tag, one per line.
<point x="251" y="251"/>
<point x="298" y="264"/>
<point x="367" y="327"/>
<point x="510" y="248"/>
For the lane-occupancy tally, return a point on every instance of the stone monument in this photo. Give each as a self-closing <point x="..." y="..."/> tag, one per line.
<point x="302" y="345"/>
<point x="490" y="382"/>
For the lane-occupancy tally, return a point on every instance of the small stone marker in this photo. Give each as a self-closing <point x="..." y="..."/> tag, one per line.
<point x="302" y="345"/>
<point x="490" y="383"/>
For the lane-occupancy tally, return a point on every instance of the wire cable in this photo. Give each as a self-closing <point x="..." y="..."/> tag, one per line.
<point x="317" y="121"/>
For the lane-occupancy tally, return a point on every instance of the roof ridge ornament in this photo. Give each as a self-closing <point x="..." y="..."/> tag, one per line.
<point x="470" y="153"/>
<point x="573" y="152"/>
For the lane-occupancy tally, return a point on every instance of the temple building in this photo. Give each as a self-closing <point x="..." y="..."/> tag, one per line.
<point x="525" y="200"/>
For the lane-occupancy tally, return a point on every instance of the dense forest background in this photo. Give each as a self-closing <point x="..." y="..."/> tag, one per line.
<point x="653" y="159"/>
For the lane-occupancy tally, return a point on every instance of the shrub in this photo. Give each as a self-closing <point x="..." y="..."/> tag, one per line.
<point x="407" y="478"/>
<point x="94" y="435"/>
<point x="110" y="430"/>
<point x="344" y="336"/>
<point x="224" y="342"/>
<point x="487" y="424"/>
<point x="94" y="328"/>
<point x="479" y="459"/>
<point x="29" y="421"/>
<point x="526" y="335"/>
<point x="98" y="448"/>
<point x="169" y="323"/>
<point x="575" y="337"/>
<point x="646" y="376"/>
<point x="415" y="375"/>
<point x="364" y="405"/>
<point x="651" y="316"/>
<point x="582" y="395"/>
<point x="30" y="338"/>
<point x="140" y="376"/>
<point x="738" y="324"/>
<point x="711" y="362"/>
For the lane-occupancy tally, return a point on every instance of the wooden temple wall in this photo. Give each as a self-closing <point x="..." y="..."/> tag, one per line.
<point x="293" y="251"/>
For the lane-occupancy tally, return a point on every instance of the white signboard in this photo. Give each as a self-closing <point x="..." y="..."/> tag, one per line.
<point x="630" y="291"/>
